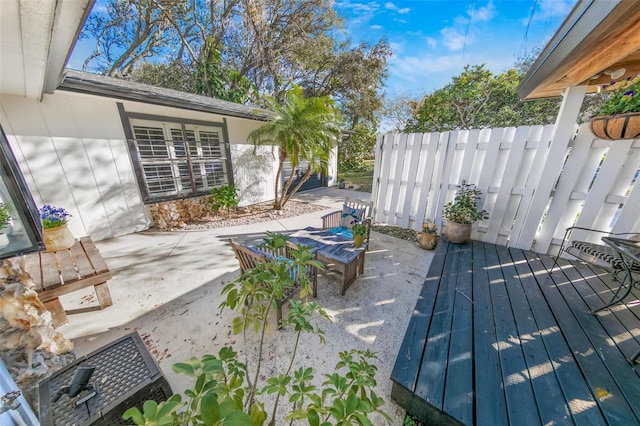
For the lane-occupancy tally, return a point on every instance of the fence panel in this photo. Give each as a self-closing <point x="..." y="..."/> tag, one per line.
<point x="588" y="182"/>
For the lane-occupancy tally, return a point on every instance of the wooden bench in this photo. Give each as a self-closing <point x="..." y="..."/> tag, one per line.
<point x="62" y="272"/>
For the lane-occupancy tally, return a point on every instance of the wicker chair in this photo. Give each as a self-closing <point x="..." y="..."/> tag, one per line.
<point x="250" y="257"/>
<point x="333" y="219"/>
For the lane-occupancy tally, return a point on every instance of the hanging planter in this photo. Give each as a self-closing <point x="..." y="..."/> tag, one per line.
<point x="618" y="126"/>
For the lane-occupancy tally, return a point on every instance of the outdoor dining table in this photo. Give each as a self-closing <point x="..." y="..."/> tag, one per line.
<point x="337" y="252"/>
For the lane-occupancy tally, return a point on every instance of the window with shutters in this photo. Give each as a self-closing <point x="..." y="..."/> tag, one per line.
<point x="177" y="160"/>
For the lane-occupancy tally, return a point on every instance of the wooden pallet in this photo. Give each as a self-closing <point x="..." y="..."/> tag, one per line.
<point x="62" y="272"/>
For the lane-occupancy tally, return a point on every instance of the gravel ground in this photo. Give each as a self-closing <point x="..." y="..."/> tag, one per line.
<point x="396" y="231"/>
<point x="263" y="212"/>
<point x="255" y="213"/>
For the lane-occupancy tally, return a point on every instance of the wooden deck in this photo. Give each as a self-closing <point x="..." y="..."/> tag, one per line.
<point x="496" y="339"/>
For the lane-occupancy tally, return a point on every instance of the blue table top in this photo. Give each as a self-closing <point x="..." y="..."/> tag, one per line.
<point x="328" y="244"/>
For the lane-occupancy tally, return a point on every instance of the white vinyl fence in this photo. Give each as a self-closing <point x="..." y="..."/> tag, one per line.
<point x="532" y="189"/>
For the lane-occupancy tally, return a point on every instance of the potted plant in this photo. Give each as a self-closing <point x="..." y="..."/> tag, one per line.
<point x="429" y="236"/>
<point x="462" y="212"/>
<point x="359" y="231"/>
<point x="56" y="235"/>
<point x="619" y="116"/>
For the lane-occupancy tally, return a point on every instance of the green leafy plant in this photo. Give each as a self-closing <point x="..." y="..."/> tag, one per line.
<point x="623" y="97"/>
<point x="464" y="207"/>
<point x="53" y="217"/>
<point x="226" y="390"/>
<point x="359" y="229"/>
<point x="224" y="196"/>
<point x="5" y="215"/>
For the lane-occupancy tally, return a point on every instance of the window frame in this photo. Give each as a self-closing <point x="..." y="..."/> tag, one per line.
<point x="169" y="125"/>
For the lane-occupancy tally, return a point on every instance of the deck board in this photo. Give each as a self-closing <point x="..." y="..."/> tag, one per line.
<point x="458" y="398"/>
<point x="521" y="404"/>
<point x="574" y="389"/>
<point x="506" y="340"/>
<point x="547" y="393"/>
<point x="491" y="405"/>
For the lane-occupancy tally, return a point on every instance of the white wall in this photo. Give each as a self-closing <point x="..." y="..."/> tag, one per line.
<point x="253" y="174"/>
<point x="72" y="151"/>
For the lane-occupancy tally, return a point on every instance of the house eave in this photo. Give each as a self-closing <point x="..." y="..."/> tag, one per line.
<point x="597" y="36"/>
<point x="98" y="85"/>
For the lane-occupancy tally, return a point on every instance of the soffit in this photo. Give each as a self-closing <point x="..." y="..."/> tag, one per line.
<point x="598" y="36"/>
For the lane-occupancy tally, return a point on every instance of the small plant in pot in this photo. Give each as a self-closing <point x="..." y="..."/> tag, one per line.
<point x="428" y="238"/>
<point x="359" y="231"/>
<point x="462" y="212"/>
<point x="56" y="235"/>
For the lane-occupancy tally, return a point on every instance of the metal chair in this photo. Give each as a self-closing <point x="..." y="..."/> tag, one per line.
<point x="604" y="256"/>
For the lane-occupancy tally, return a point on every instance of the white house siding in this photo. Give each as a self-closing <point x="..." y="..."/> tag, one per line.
<point x="72" y="151"/>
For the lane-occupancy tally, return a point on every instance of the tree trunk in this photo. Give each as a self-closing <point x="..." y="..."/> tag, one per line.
<point x="304" y="178"/>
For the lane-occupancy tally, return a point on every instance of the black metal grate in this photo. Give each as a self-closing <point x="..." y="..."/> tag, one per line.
<point x="124" y="371"/>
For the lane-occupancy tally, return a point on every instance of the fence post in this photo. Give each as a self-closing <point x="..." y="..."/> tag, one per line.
<point x="564" y="130"/>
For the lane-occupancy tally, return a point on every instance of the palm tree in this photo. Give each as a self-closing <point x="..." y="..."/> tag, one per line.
<point x="303" y="129"/>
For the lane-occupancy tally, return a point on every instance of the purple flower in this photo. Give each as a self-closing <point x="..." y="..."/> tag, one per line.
<point x="53" y="217"/>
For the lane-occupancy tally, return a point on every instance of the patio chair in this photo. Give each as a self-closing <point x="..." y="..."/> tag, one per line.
<point x="249" y="258"/>
<point x="604" y="256"/>
<point x="353" y="210"/>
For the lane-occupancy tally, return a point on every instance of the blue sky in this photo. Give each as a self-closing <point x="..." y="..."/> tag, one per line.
<point x="432" y="40"/>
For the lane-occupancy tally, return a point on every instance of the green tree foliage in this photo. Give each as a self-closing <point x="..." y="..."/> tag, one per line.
<point x="240" y="50"/>
<point x="174" y="75"/>
<point x="476" y="99"/>
<point x="303" y="129"/>
<point x="356" y="147"/>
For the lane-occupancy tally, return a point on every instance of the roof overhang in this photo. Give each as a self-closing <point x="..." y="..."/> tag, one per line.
<point x="36" y="40"/>
<point x="598" y="38"/>
<point x="99" y="85"/>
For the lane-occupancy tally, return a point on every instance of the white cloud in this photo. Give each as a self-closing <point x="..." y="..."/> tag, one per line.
<point x="454" y="39"/>
<point x="392" y="6"/>
<point x="400" y="21"/>
<point x="482" y="14"/>
<point x="396" y="47"/>
<point x="549" y="8"/>
<point x="432" y="42"/>
<point x="376" y="27"/>
<point x="414" y="69"/>
<point x="361" y="12"/>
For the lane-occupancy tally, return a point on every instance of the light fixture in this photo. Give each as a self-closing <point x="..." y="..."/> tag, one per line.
<point x="615" y="74"/>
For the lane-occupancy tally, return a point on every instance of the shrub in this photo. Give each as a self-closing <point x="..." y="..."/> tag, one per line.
<point x="224" y="196"/>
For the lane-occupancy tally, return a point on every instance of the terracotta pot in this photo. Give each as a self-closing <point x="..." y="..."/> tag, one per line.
<point x="457" y="232"/>
<point x="56" y="239"/>
<point x="358" y="240"/>
<point x="427" y="241"/>
<point x="618" y="126"/>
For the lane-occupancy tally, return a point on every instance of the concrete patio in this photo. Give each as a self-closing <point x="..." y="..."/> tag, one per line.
<point x="166" y="286"/>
